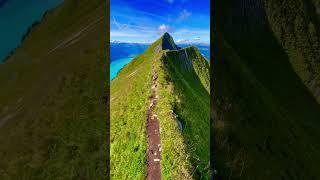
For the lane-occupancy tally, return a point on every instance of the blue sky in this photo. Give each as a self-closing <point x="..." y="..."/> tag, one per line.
<point x="188" y="21"/>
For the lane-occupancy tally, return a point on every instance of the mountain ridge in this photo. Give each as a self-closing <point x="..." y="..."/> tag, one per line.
<point x="177" y="80"/>
<point x="52" y="112"/>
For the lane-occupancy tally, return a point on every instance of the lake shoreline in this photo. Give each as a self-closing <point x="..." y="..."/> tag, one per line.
<point x="117" y="65"/>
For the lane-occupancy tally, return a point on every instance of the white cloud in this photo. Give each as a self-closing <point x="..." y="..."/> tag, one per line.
<point x="163" y="28"/>
<point x="196" y="40"/>
<point x="193" y="32"/>
<point x="184" y="14"/>
<point x="119" y="25"/>
<point x="130" y="42"/>
<point x="182" y="40"/>
<point x="124" y="34"/>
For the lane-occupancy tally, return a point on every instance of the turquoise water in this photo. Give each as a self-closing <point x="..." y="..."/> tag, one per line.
<point x="16" y="16"/>
<point x="116" y="65"/>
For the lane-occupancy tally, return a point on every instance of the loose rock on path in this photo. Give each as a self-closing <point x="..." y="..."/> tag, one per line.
<point x="153" y="134"/>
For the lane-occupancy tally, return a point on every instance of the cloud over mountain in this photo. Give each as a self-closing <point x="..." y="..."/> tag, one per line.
<point x="163" y="28"/>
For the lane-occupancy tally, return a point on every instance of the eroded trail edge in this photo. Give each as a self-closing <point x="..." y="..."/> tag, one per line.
<point x="153" y="134"/>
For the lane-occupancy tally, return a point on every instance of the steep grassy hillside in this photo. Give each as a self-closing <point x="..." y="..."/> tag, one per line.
<point x="52" y="111"/>
<point x="265" y="119"/>
<point x="183" y="77"/>
<point x="186" y="73"/>
<point x="129" y="93"/>
<point x="296" y="25"/>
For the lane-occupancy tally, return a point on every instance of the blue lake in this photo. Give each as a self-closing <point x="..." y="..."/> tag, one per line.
<point x="16" y="16"/>
<point x="116" y="66"/>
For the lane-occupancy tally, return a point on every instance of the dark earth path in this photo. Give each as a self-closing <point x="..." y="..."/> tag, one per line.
<point x="153" y="134"/>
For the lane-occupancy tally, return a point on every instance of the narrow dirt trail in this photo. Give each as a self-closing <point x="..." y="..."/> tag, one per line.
<point x="153" y="134"/>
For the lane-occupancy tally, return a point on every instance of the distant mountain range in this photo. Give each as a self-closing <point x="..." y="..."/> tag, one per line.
<point x="123" y="49"/>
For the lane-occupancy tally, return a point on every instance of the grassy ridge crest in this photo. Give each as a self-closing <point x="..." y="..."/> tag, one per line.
<point x="178" y="84"/>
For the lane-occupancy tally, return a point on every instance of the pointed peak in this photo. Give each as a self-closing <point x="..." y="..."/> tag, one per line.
<point x="167" y="42"/>
<point x="166" y="35"/>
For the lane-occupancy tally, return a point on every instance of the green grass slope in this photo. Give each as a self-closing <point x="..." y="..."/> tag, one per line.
<point x="180" y="89"/>
<point x="296" y="25"/>
<point x="187" y="72"/>
<point x="129" y="93"/>
<point x="265" y="123"/>
<point x="52" y="113"/>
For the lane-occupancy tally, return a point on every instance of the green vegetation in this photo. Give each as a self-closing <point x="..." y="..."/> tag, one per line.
<point x="185" y="70"/>
<point x="180" y="90"/>
<point x="265" y="123"/>
<point x="175" y="162"/>
<point x="296" y="25"/>
<point x="128" y="106"/>
<point x="52" y="111"/>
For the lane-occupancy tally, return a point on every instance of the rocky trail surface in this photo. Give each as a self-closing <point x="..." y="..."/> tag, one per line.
<point x="153" y="134"/>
